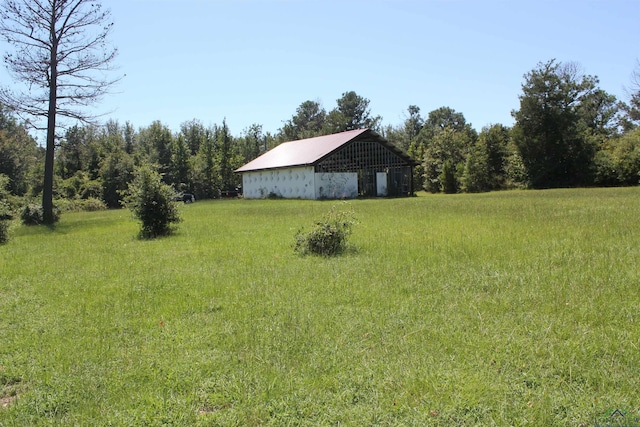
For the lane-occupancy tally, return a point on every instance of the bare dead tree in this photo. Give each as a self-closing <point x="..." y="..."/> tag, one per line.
<point x="61" y="58"/>
<point x="632" y="109"/>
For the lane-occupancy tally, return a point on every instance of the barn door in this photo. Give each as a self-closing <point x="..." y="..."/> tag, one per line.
<point x="381" y="184"/>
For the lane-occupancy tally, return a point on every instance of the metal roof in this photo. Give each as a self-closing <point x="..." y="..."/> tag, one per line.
<point x="308" y="151"/>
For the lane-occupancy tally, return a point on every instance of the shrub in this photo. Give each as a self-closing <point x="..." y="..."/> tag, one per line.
<point x="5" y="217"/>
<point x="4" y="231"/>
<point x="151" y="201"/>
<point x="80" y="205"/>
<point x="329" y="236"/>
<point x="92" y="204"/>
<point x="5" y="209"/>
<point x="32" y="214"/>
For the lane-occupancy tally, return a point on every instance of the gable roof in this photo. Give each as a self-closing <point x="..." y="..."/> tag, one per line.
<point x="309" y="151"/>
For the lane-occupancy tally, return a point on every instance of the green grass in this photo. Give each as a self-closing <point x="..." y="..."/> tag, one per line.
<point x="511" y="308"/>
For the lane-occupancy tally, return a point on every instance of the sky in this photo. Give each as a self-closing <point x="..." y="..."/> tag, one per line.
<point x="255" y="61"/>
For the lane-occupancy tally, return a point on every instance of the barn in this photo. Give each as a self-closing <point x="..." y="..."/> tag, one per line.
<point x="343" y="165"/>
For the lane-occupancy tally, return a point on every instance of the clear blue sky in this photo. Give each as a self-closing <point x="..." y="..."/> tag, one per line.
<point x="256" y="61"/>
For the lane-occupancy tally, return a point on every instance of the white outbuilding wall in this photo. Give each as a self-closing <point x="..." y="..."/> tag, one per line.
<point x="299" y="183"/>
<point x="334" y="185"/>
<point x="291" y="183"/>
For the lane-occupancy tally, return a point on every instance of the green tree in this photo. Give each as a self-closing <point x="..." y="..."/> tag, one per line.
<point x="444" y="135"/>
<point x="485" y="167"/>
<point x="82" y="149"/>
<point x="352" y="112"/>
<point x="179" y="171"/>
<point x="194" y="133"/>
<point x="515" y="171"/>
<point x="598" y="111"/>
<point x="444" y="160"/>
<point x="404" y="135"/>
<point x="207" y="183"/>
<point x="129" y="138"/>
<point x="555" y="123"/>
<point x="618" y="162"/>
<point x="70" y="156"/>
<point x="116" y="172"/>
<point x="61" y="58"/>
<point x="476" y="177"/>
<point x="228" y="157"/>
<point x="309" y="121"/>
<point x="445" y="117"/>
<point x="113" y="135"/>
<point x="252" y="142"/>
<point x="18" y="153"/>
<point x="151" y="202"/>
<point x="627" y="155"/>
<point x="155" y="142"/>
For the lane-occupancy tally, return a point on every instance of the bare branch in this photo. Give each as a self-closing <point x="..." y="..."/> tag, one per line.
<point x="60" y="59"/>
<point x="43" y="31"/>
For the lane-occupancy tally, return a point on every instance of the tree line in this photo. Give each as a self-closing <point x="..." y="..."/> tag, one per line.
<point x="567" y="132"/>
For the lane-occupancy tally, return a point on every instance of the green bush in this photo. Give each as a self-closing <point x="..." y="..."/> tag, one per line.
<point x="329" y="235"/>
<point x="80" y="205"/>
<point x="151" y="201"/>
<point x="92" y="204"/>
<point x="91" y="189"/>
<point x="4" y="231"/>
<point x="32" y="213"/>
<point x="5" y="217"/>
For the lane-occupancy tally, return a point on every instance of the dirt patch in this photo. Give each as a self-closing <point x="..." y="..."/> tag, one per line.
<point x="6" y="401"/>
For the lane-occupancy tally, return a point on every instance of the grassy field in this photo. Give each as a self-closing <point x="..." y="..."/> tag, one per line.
<point x="512" y="308"/>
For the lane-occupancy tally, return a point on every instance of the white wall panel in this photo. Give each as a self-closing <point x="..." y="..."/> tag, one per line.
<point x="336" y="185"/>
<point x="381" y="183"/>
<point x="292" y="183"/>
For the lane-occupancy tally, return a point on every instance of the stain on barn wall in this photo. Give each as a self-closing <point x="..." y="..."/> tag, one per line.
<point x="336" y="185"/>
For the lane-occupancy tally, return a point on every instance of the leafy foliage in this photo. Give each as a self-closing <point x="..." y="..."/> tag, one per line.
<point x="5" y="211"/>
<point x="562" y="117"/>
<point x="18" y="152"/>
<point x="329" y="235"/>
<point x="80" y="205"/>
<point x="618" y="162"/>
<point x="33" y="214"/>
<point x="4" y="231"/>
<point x="352" y="112"/>
<point x="485" y="164"/>
<point x="444" y="159"/>
<point x="308" y="122"/>
<point x="151" y="201"/>
<point x="590" y="143"/>
<point x="116" y="172"/>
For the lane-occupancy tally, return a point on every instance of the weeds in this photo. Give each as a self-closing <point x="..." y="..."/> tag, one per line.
<point x="329" y="235"/>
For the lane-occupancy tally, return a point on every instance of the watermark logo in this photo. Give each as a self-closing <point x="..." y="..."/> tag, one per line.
<point x="617" y="417"/>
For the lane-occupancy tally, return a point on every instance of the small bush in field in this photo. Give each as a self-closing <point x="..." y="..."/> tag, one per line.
<point x="31" y="214"/>
<point x="329" y="235"/>
<point x="4" y="231"/>
<point x="5" y="217"/>
<point x="92" y="204"/>
<point x="151" y="201"/>
<point x="5" y="209"/>
<point x="80" y="205"/>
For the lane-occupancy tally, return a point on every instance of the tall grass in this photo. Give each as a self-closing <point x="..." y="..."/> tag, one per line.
<point x="514" y="308"/>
